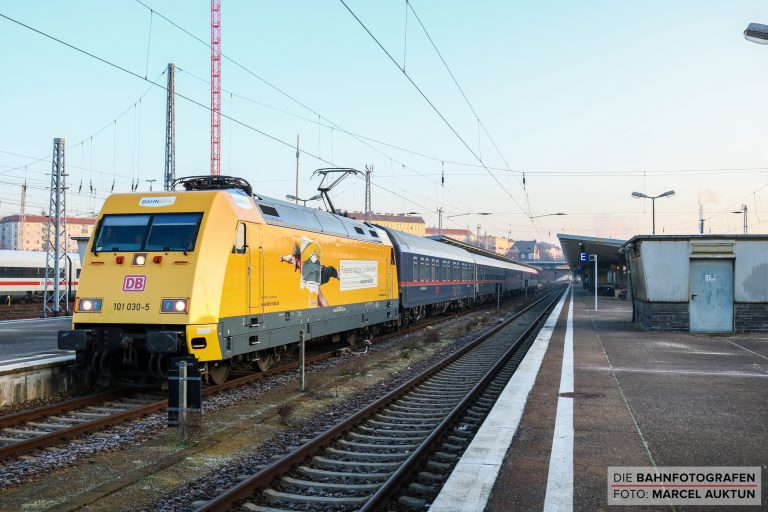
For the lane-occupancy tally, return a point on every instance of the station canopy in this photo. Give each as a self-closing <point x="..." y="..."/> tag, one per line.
<point x="607" y="249"/>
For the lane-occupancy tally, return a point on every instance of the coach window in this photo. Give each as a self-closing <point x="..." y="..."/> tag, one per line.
<point x="434" y="270"/>
<point x="239" y="247"/>
<point x="415" y="269"/>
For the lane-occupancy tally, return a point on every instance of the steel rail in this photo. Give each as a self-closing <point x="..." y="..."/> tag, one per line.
<point x="246" y="488"/>
<point x="388" y="490"/>
<point x="26" y="445"/>
<point x="65" y="406"/>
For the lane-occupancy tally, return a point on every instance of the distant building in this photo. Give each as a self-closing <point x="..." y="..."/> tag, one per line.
<point x="528" y="249"/>
<point x="550" y="252"/>
<point x="412" y="224"/>
<point x="32" y="234"/>
<point x="498" y="244"/>
<point x="462" y="235"/>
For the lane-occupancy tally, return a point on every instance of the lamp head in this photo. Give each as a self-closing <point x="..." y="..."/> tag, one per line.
<point x="668" y="193"/>
<point x="757" y="33"/>
<point x="638" y="195"/>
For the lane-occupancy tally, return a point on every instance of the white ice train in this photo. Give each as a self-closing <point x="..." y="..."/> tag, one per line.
<point x="22" y="275"/>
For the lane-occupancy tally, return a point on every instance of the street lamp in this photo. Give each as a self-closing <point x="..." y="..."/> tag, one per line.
<point x="468" y="213"/>
<point x="757" y="33"/>
<point x="640" y="195"/>
<point x="546" y="215"/>
<point x="291" y="197"/>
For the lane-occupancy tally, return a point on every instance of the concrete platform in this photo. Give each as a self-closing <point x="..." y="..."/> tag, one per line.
<point x="635" y="399"/>
<point x="33" y="337"/>
<point x="31" y="365"/>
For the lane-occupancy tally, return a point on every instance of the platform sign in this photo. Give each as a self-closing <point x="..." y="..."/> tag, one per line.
<point x="584" y="256"/>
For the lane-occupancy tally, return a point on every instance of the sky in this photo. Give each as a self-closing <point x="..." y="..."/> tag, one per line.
<point x="576" y="105"/>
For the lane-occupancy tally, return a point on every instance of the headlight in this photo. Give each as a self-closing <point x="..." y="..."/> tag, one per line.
<point x="89" y="305"/>
<point x="139" y="259"/>
<point x="174" y="306"/>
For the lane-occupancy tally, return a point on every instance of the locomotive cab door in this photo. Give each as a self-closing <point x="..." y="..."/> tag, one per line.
<point x="239" y="291"/>
<point x="256" y="272"/>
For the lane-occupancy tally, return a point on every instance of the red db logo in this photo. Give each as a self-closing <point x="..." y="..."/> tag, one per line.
<point x="134" y="283"/>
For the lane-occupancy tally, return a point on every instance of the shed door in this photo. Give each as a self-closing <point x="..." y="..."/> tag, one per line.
<point x="711" y="305"/>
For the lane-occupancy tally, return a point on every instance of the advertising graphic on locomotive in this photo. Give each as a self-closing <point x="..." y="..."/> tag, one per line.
<point x="233" y="279"/>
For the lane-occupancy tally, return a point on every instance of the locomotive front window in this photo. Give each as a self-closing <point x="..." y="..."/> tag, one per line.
<point x="173" y="232"/>
<point x="122" y="233"/>
<point x="160" y="232"/>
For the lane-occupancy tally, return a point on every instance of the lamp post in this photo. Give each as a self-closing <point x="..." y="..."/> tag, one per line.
<point x="292" y="197"/>
<point x="640" y="195"/>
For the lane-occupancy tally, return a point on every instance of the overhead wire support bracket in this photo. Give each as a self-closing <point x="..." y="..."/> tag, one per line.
<point x="330" y="180"/>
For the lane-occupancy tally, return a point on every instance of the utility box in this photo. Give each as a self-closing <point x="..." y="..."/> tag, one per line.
<point x="699" y="283"/>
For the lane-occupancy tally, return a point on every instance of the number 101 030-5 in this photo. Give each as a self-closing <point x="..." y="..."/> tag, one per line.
<point x="130" y="306"/>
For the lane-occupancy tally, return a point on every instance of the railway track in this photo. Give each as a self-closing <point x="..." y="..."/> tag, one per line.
<point x="396" y="452"/>
<point x="24" y="431"/>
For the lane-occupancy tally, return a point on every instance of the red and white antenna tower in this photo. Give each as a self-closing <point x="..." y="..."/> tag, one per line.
<point x="215" y="87"/>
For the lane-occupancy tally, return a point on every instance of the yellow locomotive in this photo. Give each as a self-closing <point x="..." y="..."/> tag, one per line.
<point x="223" y="275"/>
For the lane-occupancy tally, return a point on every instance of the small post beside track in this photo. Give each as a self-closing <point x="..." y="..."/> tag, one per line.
<point x="182" y="400"/>
<point x="302" y="360"/>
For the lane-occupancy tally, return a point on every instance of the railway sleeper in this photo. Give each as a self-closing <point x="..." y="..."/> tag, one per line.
<point x="322" y="473"/>
<point x="411" y="503"/>
<point x="442" y="467"/>
<point x="426" y="476"/>
<point x="405" y="406"/>
<point x="107" y="410"/>
<point x="365" y="455"/>
<point x="387" y="439"/>
<point x="442" y="392"/>
<point x="327" y="485"/>
<point x="406" y="420"/>
<point x="450" y="447"/>
<point x="67" y="419"/>
<point x="421" y="489"/>
<point x="251" y="507"/>
<point x="420" y="412"/>
<point x="318" y="500"/>
<point x="91" y="415"/>
<point x="443" y="456"/>
<point x="28" y="433"/>
<point x="48" y="426"/>
<point x="379" y="446"/>
<point x="422" y="433"/>
<point x="381" y="466"/>
<point x="414" y="401"/>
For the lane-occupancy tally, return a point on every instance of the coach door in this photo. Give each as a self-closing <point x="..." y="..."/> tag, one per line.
<point x="711" y="303"/>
